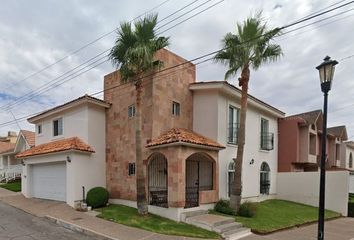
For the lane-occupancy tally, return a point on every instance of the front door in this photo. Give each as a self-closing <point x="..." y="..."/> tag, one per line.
<point x="192" y="184"/>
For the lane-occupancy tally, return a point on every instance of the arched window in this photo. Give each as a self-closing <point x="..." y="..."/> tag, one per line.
<point x="231" y="177"/>
<point x="350" y="160"/>
<point x="264" y="178"/>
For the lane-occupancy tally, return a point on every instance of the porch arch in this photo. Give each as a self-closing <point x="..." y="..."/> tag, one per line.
<point x="157" y="180"/>
<point x="200" y="172"/>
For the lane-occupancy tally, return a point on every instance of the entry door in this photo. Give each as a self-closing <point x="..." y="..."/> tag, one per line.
<point x="192" y="184"/>
<point x="48" y="181"/>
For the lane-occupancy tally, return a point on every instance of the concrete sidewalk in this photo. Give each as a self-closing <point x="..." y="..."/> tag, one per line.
<point x="68" y="216"/>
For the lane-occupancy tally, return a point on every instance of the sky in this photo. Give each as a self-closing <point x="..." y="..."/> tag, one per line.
<point x="35" y="34"/>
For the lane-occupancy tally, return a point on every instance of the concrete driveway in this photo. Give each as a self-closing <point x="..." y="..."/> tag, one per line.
<point x="339" y="229"/>
<point x="18" y="225"/>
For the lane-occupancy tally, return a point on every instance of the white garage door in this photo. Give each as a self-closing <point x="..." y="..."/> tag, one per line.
<point x="49" y="181"/>
<point x="351" y="183"/>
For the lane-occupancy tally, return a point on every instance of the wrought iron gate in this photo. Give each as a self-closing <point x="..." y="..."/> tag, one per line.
<point x="157" y="171"/>
<point x="192" y="184"/>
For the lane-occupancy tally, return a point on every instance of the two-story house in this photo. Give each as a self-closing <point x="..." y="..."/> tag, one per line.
<point x="69" y="156"/>
<point x="216" y="109"/>
<point x="300" y="143"/>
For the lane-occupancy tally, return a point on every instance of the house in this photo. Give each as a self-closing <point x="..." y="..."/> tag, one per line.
<point x="216" y="110"/>
<point x="69" y="156"/>
<point x="347" y="161"/>
<point x="300" y="143"/>
<point x="7" y="144"/>
<point x="11" y="168"/>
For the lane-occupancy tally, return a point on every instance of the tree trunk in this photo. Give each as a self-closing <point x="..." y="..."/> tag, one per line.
<point x="140" y="173"/>
<point x="235" y="199"/>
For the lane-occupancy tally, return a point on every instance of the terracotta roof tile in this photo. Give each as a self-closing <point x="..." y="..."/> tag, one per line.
<point x="6" y="147"/>
<point x="29" y="136"/>
<point x="74" y="143"/>
<point x="182" y="135"/>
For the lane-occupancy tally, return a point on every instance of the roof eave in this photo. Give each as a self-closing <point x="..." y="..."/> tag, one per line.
<point x="57" y="152"/>
<point x="181" y="143"/>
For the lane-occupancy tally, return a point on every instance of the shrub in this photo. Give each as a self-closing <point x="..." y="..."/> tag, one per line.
<point x="247" y="209"/>
<point x="223" y="206"/>
<point x="351" y="209"/>
<point x="97" y="197"/>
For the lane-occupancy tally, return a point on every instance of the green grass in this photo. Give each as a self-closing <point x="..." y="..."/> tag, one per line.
<point x="13" y="186"/>
<point x="272" y="215"/>
<point x="129" y="216"/>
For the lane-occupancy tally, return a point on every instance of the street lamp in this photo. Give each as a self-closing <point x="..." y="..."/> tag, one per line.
<point x="326" y="70"/>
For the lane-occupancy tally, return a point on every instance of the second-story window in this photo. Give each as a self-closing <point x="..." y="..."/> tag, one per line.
<point x="131" y="111"/>
<point x="58" y="127"/>
<point x="131" y="169"/>
<point x="176" y="108"/>
<point x="267" y="138"/>
<point x="233" y="124"/>
<point x="39" y="129"/>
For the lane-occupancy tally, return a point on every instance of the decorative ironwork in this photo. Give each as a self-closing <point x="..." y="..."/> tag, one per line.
<point x="192" y="197"/>
<point x="159" y="198"/>
<point x="267" y="141"/>
<point x="157" y="171"/>
<point x="265" y="186"/>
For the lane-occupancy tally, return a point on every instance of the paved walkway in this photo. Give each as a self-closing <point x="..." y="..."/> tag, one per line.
<point x="67" y="214"/>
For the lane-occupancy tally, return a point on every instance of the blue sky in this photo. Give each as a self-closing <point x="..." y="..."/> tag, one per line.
<point x="34" y="34"/>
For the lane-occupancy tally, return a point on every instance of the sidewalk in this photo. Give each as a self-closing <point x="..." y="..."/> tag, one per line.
<point x="68" y="216"/>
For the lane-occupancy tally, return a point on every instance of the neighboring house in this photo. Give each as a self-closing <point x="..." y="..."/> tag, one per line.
<point x="348" y="161"/>
<point x="7" y="144"/>
<point x="300" y="143"/>
<point x="69" y="155"/>
<point x="216" y="110"/>
<point x="181" y="166"/>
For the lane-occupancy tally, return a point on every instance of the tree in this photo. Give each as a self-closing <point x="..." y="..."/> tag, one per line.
<point x="250" y="47"/>
<point x="133" y="54"/>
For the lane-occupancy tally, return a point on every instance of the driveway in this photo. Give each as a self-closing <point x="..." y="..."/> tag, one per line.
<point x="339" y="229"/>
<point x="18" y="225"/>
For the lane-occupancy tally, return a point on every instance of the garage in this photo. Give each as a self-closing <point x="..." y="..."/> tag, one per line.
<point x="49" y="181"/>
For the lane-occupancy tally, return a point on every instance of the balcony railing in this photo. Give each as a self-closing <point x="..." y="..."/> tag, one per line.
<point x="267" y="141"/>
<point x="232" y="133"/>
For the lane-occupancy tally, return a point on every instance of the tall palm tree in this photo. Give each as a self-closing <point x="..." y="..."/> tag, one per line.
<point x="250" y="47"/>
<point x="133" y="54"/>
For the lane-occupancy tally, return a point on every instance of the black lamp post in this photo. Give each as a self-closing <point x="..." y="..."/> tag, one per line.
<point x="326" y="70"/>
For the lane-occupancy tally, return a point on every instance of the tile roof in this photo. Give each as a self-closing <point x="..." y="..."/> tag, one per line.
<point x="338" y="131"/>
<point x="29" y="136"/>
<point x="181" y="135"/>
<point x="73" y="143"/>
<point x="6" y="147"/>
<point x="309" y="117"/>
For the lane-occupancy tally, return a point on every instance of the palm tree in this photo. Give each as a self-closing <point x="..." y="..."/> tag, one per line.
<point x="133" y="54"/>
<point x="250" y="47"/>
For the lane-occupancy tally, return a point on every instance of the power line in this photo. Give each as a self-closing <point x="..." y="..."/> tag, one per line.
<point x="82" y="47"/>
<point x="214" y="52"/>
<point x="34" y="93"/>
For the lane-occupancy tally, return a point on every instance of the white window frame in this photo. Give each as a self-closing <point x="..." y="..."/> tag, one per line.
<point x="236" y="120"/>
<point x="40" y="125"/>
<point x="176" y="108"/>
<point x="62" y="127"/>
<point x="131" y="111"/>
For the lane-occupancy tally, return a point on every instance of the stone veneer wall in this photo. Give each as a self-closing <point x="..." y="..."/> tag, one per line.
<point x="158" y="93"/>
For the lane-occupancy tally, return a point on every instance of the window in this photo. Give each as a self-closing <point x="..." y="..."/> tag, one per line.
<point x="350" y="160"/>
<point x="131" y="169"/>
<point x="39" y="129"/>
<point x="231" y="177"/>
<point x="58" y="127"/>
<point x="131" y="111"/>
<point x="267" y="138"/>
<point x="176" y="108"/>
<point x="234" y="121"/>
<point x="264" y="178"/>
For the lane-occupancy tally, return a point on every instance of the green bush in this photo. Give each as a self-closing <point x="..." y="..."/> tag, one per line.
<point x="247" y="209"/>
<point x="97" y="197"/>
<point x="351" y="209"/>
<point x="223" y="206"/>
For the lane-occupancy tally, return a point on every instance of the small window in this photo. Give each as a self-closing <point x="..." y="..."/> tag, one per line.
<point x="131" y="169"/>
<point x="175" y="108"/>
<point x="39" y="129"/>
<point x="58" y="127"/>
<point x="264" y="178"/>
<point x="233" y="125"/>
<point x="131" y="111"/>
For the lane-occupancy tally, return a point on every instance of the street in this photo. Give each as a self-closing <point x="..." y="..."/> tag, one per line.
<point x="18" y="225"/>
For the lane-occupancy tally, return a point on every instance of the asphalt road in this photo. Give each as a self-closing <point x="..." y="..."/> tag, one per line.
<point x="18" y="225"/>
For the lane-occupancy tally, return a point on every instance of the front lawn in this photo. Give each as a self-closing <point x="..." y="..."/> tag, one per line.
<point x="272" y="215"/>
<point x="129" y="216"/>
<point x="13" y="186"/>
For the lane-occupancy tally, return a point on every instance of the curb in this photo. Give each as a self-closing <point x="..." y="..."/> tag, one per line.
<point x="79" y="229"/>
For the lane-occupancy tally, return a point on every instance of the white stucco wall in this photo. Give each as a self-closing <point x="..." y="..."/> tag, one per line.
<point x="303" y="187"/>
<point x="212" y="121"/>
